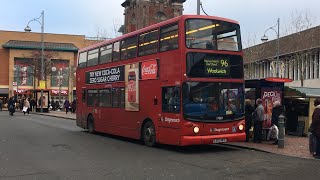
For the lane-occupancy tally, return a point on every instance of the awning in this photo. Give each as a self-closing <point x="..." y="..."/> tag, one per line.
<point x="301" y="92"/>
<point x="32" y="45"/>
<point x="4" y="91"/>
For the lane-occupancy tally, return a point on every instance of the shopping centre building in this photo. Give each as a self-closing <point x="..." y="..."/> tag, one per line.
<point x="20" y="63"/>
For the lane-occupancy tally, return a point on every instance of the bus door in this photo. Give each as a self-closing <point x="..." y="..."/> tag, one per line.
<point x="171" y="118"/>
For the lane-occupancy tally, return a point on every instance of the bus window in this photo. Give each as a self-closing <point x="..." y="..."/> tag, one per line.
<point x="93" y="57"/>
<point x="169" y="38"/>
<point x="82" y="59"/>
<point x="148" y="43"/>
<point x="129" y="48"/>
<point x="116" y="97"/>
<point x="171" y="99"/>
<point x="116" y="51"/>
<point x="93" y="99"/>
<point x="213" y="35"/>
<point x="105" y="97"/>
<point x="122" y="98"/>
<point x="105" y="54"/>
<point x="84" y="92"/>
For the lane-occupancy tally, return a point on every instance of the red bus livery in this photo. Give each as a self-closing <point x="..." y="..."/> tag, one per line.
<point x="178" y="82"/>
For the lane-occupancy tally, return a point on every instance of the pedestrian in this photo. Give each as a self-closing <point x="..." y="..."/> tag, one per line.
<point x="276" y="112"/>
<point x="66" y="105"/>
<point x="26" y="107"/>
<point x="11" y="105"/>
<point x="74" y="106"/>
<point x="315" y="126"/>
<point x="249" y="109"/>
<point x="258" y="118"/>
<point x="1" y="103"/>
<point x="53" y="106"/>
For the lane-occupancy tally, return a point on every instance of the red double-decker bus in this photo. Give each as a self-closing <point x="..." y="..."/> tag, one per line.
<point x="178" y="82"/>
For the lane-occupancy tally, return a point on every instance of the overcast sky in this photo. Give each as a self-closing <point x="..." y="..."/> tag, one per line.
<point x="85" y="17"/>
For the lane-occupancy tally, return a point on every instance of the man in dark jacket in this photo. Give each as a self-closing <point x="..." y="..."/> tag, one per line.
<point x="249" y="109"/>
<point x="276" y="112"/>
<point x="315" y="126"/>
<point x="258" y="118"/>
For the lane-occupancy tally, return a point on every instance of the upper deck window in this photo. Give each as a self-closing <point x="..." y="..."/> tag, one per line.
<point x="169" y="38"/>
<point x="148" y="43"/>
<point x="213" y="35"/>
<point x="82" y="59"/>
<point x="93" y="57"/>
<point x="116" y="51"/>
<point x="105" y="54"/>
<point x="129" y="48"/>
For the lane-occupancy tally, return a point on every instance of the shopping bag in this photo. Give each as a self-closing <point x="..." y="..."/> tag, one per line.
<point x="273" y="133"/>
<point x="24" y="109"/>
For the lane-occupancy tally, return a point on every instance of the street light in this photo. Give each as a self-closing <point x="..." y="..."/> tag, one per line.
<point x="264" y="38"/>
<point x="28" y="29"/>
<point x="60" y="77"/>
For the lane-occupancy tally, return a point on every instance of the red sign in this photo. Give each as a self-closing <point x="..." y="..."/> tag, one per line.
<point x="56" y="92"/>
<point x="273" y="79"/>
<point x="149" y="69"/>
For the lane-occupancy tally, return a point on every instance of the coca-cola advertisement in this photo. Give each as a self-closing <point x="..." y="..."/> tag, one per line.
<point x="132" y="87"/>
<point x="269" y="96"/>
<point x="149" y="70"/>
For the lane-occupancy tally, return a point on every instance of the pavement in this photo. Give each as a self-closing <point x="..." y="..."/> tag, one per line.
<point x="294" y="146"/>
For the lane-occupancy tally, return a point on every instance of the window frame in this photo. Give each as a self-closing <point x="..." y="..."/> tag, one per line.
<point x="161" y="33"/>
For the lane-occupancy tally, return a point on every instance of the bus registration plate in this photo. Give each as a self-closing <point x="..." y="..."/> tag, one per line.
<point x="222" y="140"/>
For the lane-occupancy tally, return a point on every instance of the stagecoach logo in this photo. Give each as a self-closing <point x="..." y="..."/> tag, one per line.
<point x="113" y="74"/>
<point x="219" y="130"/>
<point x="170" y="120"/>
<point x="149" y="69"/>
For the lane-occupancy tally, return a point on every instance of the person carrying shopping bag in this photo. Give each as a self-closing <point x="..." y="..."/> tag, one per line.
<point x="26" y="107"/>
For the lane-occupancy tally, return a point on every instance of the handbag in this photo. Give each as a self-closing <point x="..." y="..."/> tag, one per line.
<point x="25" y="109"/>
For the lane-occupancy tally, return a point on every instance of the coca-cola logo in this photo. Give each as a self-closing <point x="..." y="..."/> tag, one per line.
<point x="149" y="69"/>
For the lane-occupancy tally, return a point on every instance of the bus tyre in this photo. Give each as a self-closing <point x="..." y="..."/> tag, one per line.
<point x="90" y="125"/>
<point x="149" y="134"/>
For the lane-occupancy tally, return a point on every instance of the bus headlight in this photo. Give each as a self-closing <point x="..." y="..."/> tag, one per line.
<point x="241" y="127"/>
<point x="196" y="129"/>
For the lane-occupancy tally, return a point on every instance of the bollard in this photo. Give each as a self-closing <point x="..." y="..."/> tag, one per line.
<point x="281" y="132"/>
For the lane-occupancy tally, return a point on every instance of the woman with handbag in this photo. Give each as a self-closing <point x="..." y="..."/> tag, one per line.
<point x="26" y="107"/>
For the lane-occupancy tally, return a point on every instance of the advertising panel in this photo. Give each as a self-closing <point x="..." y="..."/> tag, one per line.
<point x="269" y="96"/>
<point x="149" y="70"/>
<point x="113" y="74"/>
<point x="132" y="87"/>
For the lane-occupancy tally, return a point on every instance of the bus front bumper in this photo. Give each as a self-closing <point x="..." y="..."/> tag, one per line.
<point x="212" y="139"/>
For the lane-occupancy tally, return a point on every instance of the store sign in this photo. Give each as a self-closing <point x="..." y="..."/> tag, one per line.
<point x="149" y="70"/>
<point x="56" y="92"/>
<point x="217" y="67"/>
<point x="113" y="74"/>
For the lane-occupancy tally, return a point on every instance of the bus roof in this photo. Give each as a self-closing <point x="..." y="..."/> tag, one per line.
<point x="154" y="26"/>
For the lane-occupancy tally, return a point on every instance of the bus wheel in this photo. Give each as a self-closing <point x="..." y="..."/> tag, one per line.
<point x="149" y="134"/>
<point x="90" y="124"/>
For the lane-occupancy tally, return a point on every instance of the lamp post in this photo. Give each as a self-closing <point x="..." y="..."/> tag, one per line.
<point x="264" y="38"/>
<point x="28" y="29"/>
<point x="59" y="77"/>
